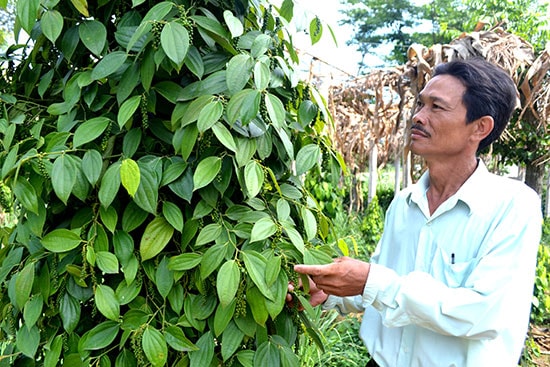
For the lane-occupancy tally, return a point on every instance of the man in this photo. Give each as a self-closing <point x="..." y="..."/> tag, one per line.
<point x="451" y="281"/>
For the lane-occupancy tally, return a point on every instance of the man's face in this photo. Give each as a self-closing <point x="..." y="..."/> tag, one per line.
<point x="439" y="127"/>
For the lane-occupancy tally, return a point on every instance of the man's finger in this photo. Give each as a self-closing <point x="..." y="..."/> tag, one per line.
<point x="310" y="269"/>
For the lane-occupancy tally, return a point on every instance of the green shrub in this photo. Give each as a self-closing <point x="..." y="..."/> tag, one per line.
<point x="385" y="196"/>
<point x="540" y="313"/>
<point x="343" y="347"/>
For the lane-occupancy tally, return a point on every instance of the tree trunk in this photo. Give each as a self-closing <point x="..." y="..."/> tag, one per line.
<point x="373" y="172"/>
<point x="534" y="175"/>
<point x="397" y="176"/>
<point x="407" y="170"/>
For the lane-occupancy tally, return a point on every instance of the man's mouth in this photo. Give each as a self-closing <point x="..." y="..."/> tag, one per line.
<point x="419" y="130"/>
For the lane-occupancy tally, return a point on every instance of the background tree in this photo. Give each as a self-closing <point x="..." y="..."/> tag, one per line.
<point x="402" y="23"/>
<point x="152" y="154"/>
<point x="6" y="22"/>
<point x="399" y="24"/>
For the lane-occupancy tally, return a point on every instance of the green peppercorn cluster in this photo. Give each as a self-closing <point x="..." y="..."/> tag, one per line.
<point x="6" y="201"/>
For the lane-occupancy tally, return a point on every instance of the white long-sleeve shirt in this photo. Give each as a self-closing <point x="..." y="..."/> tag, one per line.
<point x="453" y="288"/>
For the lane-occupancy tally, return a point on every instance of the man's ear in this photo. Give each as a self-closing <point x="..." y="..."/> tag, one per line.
<point x="483" y="127"/>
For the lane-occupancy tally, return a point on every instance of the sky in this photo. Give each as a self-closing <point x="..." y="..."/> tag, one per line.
<point x="339" y="55"/>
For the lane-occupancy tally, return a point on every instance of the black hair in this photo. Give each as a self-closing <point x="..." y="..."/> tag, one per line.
<point x="490" y="91"/>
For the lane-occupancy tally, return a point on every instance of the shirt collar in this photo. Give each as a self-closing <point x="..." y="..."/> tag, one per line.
<point x="469" y="193"/>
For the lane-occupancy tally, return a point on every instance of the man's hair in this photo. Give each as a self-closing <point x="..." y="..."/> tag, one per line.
<point x="489" y="91"/>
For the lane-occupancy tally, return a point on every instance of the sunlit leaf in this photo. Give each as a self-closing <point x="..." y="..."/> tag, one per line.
<point x="154" y="346"/>
<point x="130" y="175"/>
<point x="208" y="234"/>
<point x="107" y="262"/>
<point x="260" y="45"/>
<point x="261" y="75"/>
<point x="310" y="223"/>
<point x="158" y="12"/>
<point x="81" y="6"/>
<point x="315" y="30"/>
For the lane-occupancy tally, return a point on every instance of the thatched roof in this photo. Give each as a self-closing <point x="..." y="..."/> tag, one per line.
<point x="375" y="108"/>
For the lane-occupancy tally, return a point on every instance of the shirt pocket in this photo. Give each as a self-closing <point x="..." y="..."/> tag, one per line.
<point x="450" y="271"/>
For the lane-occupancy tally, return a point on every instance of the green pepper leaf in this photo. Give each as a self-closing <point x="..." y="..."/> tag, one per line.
<point x="227" y="283"/>
<point x="156" y="236"/>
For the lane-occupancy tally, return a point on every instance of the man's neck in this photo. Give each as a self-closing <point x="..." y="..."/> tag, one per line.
<point x="446" y="179"/>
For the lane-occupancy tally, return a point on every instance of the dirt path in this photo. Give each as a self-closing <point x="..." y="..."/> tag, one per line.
<point x="542" y="338"/>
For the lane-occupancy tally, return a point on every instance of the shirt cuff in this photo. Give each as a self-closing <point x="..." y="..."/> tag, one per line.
<point x="373" y="285"/>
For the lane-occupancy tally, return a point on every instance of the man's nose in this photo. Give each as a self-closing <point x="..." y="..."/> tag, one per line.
<point x="418" y="116"/>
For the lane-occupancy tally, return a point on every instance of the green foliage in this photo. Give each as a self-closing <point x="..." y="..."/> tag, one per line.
<point x="396" y="18"/>
<point x="385" y="196"/>
<point x="341" y="338"/>
<point x="525" y="18"/>
<point x="151" y="153"/>
<point x="530" y="142"/>
<point x="372" y="225"/>
<point x="540" y="313"/>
